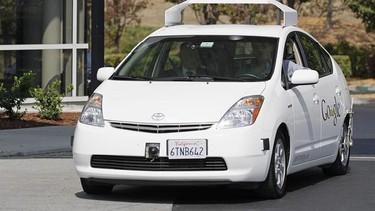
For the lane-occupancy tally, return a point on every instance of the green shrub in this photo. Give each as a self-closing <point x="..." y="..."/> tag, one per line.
<point x="48" y="100"/>
<point x="361" y="58"/>
<point x="345" y="64"/>
<point x="14" y="97"/>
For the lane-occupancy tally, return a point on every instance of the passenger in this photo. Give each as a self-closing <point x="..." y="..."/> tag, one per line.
<point x="291" y="67"/>
<point x="288" y="63"/>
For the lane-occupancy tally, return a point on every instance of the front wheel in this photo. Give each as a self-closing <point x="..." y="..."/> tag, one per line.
<point x="274" y="185"/>
<point x="341" y="164"/>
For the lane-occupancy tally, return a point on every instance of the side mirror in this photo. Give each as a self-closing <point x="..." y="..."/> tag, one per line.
<point x="305" y="77"/>
<point x="104" y="73"/>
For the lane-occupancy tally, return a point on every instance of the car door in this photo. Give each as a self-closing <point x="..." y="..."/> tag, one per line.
<point x="306" y="109"/>
<point x="329" y="94"/>
<point x="330" y="99"/>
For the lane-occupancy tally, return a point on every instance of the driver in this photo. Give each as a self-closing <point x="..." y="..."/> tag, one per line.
<point x="262" y="64"/>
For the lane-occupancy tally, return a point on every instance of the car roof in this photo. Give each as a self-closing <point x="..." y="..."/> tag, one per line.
<point x="224" y="30"/>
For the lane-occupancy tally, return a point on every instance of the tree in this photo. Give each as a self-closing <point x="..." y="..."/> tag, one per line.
<point x="295" y="3"/>
<point x="118" y="15"/>
<point x="364" y="9"/>
<point x="329" y="14"/>
<point x="249" y="14"/>
<point x="327" y="9"/>
<point x="237" y="13"/>
<point x="205" y="14"/>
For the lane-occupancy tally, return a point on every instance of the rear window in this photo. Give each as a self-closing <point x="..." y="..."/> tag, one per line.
<point x="224" y="58"/>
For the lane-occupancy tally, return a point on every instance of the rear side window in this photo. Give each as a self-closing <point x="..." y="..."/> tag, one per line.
<point x="327" y="60"/>
<point x="316" y="59"/>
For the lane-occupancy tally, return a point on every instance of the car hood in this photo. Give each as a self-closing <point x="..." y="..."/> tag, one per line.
<point x="173" y="102"/>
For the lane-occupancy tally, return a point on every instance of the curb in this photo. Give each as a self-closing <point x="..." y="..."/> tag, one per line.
<point x="363" y="101"/>
<point x="56" y="153"/>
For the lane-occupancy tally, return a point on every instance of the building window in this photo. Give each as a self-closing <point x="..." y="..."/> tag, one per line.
<point x="46" y="37"/>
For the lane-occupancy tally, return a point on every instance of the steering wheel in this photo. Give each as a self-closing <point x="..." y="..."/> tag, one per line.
<point x="246" y="76"/>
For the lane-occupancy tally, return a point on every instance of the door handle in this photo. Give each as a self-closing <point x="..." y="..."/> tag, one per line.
<point x="316" y="99"/>
<point x="338" y="91"/>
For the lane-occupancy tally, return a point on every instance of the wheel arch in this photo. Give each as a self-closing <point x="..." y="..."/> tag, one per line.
<point x="283" y="128"/>
<point x="348" y="118"/>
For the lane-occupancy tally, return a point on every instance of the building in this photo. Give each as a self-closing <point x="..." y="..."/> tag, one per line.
<point x="47" y="37"/>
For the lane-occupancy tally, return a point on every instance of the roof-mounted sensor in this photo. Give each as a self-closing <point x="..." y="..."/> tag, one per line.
<point x="173" y="15"/>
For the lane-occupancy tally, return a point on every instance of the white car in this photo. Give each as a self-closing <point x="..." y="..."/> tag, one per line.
<point x="216" y="105"/>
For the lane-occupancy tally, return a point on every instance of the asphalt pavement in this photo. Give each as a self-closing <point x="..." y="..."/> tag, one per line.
<point x="54" y="141"/>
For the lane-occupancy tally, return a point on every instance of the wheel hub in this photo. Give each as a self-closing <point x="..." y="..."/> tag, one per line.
<point x="280" y="164"/>
<point x="344" y="147"/>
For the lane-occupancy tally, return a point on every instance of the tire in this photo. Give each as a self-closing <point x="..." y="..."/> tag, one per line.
<point x="274" y="185"/>
<point x="91" y="187"/>
<point x="341" y="164"/>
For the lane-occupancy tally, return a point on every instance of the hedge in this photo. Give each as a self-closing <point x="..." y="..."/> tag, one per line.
<point x="362" y="59"/>
<point x="344" y="62"/>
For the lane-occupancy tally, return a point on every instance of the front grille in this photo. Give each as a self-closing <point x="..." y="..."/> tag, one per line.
<point x="160" y="164"/>
<point x="160" y="128"/>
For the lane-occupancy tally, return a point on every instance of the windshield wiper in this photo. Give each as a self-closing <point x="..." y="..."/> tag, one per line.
<point x="199" y="78"/>
<point x="131" y="78"/>
<point x="222" y="78"/>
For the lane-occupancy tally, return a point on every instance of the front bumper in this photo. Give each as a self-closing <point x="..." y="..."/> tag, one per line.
<point x="242" y="149"/>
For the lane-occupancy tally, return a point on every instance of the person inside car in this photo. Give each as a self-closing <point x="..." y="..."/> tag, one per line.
<point x="291" y="67"/>
<point x="289" y="64"/>
<point x="262" y="65"/>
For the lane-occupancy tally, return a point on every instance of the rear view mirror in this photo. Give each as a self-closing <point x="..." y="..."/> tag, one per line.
<point x="304" y="77"/>
<point x="104" y="73"/>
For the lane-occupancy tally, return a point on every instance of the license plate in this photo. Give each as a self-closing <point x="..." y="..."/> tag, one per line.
<point x="187" y="149"/>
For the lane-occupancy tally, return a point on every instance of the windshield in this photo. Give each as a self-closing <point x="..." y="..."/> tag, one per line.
<point x="215" y="58"/>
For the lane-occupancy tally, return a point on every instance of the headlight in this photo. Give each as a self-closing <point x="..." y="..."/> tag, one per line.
<point x="243" y="113"/>
<point x="92" y="112"/>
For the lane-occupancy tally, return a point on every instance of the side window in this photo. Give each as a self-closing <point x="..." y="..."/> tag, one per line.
<point x="291" y="51"/>
<point x="313" y="55"/>
<point x="292" y="59"/>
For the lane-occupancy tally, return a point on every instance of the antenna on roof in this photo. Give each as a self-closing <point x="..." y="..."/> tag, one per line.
<point x="173" y="15"/>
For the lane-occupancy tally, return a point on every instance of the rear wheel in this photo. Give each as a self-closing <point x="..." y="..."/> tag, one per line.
<point x="341" y="164"/>
<point x="274" y="185"/>
<point x="92" y="187"/>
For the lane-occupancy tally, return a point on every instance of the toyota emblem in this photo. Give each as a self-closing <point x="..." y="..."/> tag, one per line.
<point x="158" y="116"/>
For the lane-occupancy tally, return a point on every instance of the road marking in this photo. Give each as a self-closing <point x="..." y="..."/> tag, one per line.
<point x="357" y="158"/>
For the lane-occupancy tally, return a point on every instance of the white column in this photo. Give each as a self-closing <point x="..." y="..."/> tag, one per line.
<point x="51" y="35"/>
